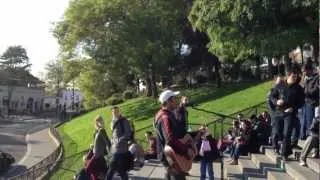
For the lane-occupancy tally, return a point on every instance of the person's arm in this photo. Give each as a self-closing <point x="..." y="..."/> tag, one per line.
<point x="127" y="130"/>
<point x="105" y="138"/>
<point x="171" y="140"/>
<point x="273" y="97"/>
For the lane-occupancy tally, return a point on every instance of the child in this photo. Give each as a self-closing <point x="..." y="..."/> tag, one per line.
<point x="208" y="153"/>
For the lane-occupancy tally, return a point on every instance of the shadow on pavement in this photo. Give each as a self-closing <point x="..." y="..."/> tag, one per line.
<point x="13" y="171"/>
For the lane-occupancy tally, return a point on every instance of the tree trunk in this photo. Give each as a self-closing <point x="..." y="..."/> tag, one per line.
<point x="235" y="72"/>
<point x="148" y="86"/>
<point x="218" y="74"/>
<point x="258" y="72"/>
<point x="270" y="67"/>
<point x="154" y="85"/>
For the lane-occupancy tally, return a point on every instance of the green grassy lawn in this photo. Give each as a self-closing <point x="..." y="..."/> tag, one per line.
<point x="78" y="134"/>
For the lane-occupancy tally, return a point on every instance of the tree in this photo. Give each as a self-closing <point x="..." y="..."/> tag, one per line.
<point x="138" y="35"/>
<point x="54" y="76"/>
<point x="15" y="64"/>
<point x="242" y="29"/>
<point x="15" y="57"/>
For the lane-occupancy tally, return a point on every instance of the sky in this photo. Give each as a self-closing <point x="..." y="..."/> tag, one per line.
<point x="29" y="23"/>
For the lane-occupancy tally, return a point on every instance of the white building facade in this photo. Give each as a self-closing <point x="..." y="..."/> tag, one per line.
<point x="67" y="97"/>
<point x="23" y="99"/>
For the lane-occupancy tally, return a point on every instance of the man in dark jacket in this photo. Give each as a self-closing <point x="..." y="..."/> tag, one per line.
<point x="311" y="90"/>
<point x="121" y="134"/>
<point x="287" y="99"/>
<point x="166" y="125"/>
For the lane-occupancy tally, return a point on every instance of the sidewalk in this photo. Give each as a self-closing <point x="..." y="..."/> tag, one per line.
<point x="40" y="145"/>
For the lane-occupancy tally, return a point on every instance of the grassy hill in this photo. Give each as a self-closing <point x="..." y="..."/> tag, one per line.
<point x="78" y="134"/>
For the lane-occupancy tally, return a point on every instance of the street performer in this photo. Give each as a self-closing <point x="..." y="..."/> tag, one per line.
<point x="175" y="153"/>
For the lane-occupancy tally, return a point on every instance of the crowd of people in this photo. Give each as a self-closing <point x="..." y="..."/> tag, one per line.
<point x="292" y="115"/>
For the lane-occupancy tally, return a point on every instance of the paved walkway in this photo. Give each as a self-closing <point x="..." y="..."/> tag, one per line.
<point x="40" y="145"/>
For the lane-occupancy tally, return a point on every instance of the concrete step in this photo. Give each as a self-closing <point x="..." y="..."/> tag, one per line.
<point x="144" y="172"/>
<point x="275" y="158"/>
<point x="247" y="166"/>
<point x="255" y="176"/>
<point x="264" y="147"/>
<point x="195" y="170"/>
<point x="299" y="172"/>
<point x="263" y="162"/>
<point x="273" y="175"/>
<point x="232" y="172"/>
<point x="314" y="164"/>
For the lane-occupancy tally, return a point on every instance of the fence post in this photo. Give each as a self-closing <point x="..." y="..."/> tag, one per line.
<point x="221" y="153"/>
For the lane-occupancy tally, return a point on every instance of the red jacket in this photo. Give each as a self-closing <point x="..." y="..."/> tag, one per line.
<point x="169" y="123"/>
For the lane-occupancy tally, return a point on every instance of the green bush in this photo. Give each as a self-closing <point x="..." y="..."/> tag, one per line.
<point x="128" y="94"/>
<point x="114" y="100"/>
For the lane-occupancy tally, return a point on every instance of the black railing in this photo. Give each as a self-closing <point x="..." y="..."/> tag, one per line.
<point x="219" y="127"/>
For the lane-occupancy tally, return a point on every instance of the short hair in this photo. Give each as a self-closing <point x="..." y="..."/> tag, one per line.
<point x="149" y="132"/>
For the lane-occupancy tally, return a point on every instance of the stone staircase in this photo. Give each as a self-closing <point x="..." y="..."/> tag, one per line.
<point x="269" y="166"/>
<point x="266" y="165"/>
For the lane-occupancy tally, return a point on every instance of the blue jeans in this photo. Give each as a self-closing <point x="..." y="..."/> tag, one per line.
<point x="206" y="166"/>
<point x="235" y="151"/>
<point x="306" y="120"/>
<point x="117" y="164"/>
<point x="296" y="130"/>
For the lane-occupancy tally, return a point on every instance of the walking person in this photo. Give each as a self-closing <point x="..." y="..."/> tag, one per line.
<point x="311" y="142"/>
<point x="121" y="159"/>
<point x="97" y="165"/>
<point x="311" y="90"/>
<point x="287" y="99"/>
<point x="167" y="127"/>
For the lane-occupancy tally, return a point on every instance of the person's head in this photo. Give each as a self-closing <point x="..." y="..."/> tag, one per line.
<point x="85" y="160"/>
<point x="235" y="124"/>
<point x="148" y="134"/>
<point x="184" y="100"/>
<point x="168" y="99"/>
<point x="292" y="77"/>
<point x="308" y="68"/>
<point x="278" y="80"/>
<point x="264" y="114"/>
<point x="253" y="118"/>
<point x="240" y="116"/>
<point x="99" y="122"/>
<point x="230" y="132"/>
<point x="115" y="112"/>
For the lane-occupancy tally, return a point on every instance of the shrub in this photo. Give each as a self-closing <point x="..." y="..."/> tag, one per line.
<point x="113" y="100"/>
<point x="128" y="94"/>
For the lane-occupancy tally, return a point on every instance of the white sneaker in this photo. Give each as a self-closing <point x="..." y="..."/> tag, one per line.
<point x="302" y="163"/>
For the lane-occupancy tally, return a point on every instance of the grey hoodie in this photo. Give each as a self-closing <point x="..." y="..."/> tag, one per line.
<point x="121" y="132"/>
